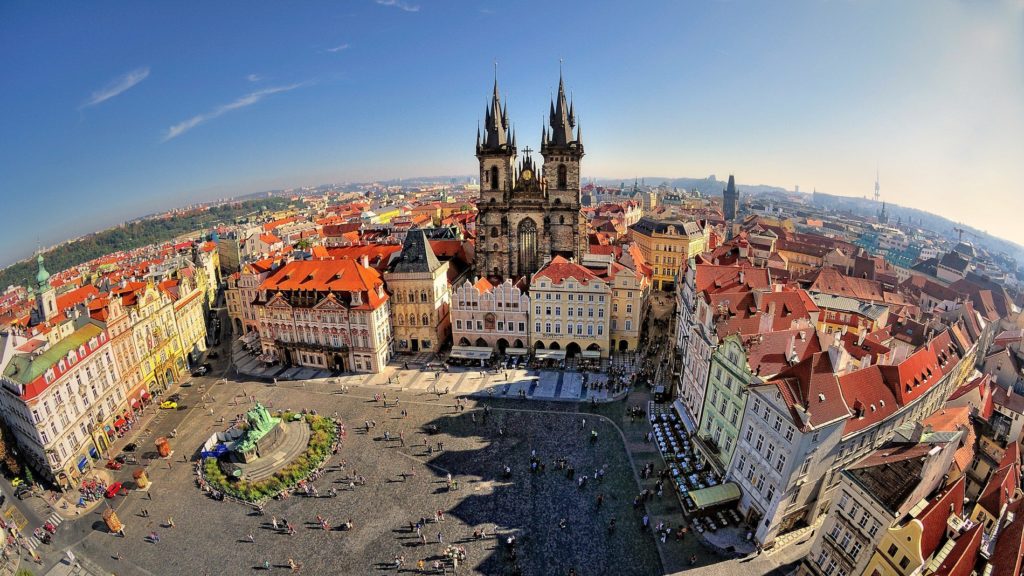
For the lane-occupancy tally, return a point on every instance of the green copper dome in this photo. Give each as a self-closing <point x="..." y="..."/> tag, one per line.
<point x="42" y="277"/>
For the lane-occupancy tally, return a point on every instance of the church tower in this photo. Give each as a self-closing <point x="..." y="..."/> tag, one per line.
<point x="562" y="151"/>
<point x="496" y="152"/>
<point x="46" y="297"/>
<point x="527" y="212"/>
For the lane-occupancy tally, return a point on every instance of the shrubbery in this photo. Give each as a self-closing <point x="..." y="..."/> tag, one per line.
<point x="323" y="432"/>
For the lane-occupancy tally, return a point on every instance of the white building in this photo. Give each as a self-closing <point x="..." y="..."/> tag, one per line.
<point x="486" y="315"/>
<point x="62" y="401"/>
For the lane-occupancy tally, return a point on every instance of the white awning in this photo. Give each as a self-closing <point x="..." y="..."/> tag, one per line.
<point x="549" y="354"/>
<point x="471" y="352"/>
<point x="591" y="354"/>
<point x="516" y="351"/>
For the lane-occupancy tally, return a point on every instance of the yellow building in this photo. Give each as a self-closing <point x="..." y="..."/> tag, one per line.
<point x="666" y="246"/>
<point x="630" y="289"/>
<point x="155" y="334"/>
<point x="189" y="316"/>
<point x="908" y="545"/>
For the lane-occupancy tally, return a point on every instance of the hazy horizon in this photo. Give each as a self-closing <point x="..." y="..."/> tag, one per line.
<point x="119" y="110"/>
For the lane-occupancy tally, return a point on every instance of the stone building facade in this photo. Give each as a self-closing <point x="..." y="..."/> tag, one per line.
<point x="527" y="213"/>
<point x="421" y="304"/>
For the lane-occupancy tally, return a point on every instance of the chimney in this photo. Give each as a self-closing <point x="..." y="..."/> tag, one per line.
<point x="742" y="276"/>
<point x="791" y="350"/>
<point x="364" y="260"/>
<point x="861" y="335"/>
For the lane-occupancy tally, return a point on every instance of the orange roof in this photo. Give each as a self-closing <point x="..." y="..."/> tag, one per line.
<point x="269" y="239"/>
<point x="1002" y="486"/>
<point x="952" y="420"/>
<point x="327" y="276"/>
<point x="559" y="269"/>
<point x="270" y="226"/>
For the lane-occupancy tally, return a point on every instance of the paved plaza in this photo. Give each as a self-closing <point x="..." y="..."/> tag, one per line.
<point x="402" y="484"/>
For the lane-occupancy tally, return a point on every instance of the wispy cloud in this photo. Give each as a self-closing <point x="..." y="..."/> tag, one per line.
<point x="400" y="5"/>
<point x="254" y="77"/>
<point x="338" y="48"/>
<point x="118" y="86"/>
<point x="247" y="100"/>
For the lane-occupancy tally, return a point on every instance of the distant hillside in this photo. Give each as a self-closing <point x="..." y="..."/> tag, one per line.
<point x="922" y="219"/>
<point x="132" y="235"/>
<point x="710" y="186"/>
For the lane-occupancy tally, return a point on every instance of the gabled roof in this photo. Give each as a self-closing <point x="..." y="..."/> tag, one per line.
<point x="935" y="515"/>
<point x="811" y="390"/>
<point x="1002" y="485"/>
<point x="1009" y="553"/>
<point x="914" y="376"/>
<point x="326" y="276"/>
<point x="961" y="559"/>
<point x="831" y="281"/>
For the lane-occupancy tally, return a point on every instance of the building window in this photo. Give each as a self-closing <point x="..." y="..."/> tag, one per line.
<point x="781" y="463"/>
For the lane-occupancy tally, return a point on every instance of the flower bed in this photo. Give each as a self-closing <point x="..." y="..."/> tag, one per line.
<point x="324" y="434"/>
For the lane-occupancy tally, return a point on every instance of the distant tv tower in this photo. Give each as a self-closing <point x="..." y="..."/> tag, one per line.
<point x="878" y="190"/>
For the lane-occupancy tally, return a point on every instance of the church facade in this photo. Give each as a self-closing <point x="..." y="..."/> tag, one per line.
<point x="528" y="214"/>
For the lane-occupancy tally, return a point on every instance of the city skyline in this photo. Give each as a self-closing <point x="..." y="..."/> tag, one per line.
<point x="147" y="109"/>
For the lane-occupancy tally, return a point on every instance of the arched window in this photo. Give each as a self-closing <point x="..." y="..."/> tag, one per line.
<point x="561" y="219"/>
<point x="527" y="246"/>
<point x="563" y="177"/>
<point x="423" y="296"/>
<point x="426" y="320"/>
<point x="494" y="177"/>
<point x="412" y="319"/>
<point x="494" y="231"/>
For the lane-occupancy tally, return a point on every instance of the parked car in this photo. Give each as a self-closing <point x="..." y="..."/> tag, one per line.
<point x="130" y="447"/>
<point x="169" y="405"/>
<point x="201" y="371"/>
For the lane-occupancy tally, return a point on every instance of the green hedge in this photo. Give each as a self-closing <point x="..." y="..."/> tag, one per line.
<point x="323" y="432"/>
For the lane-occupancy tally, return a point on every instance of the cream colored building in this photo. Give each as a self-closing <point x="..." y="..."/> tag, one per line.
<point x="421" y="304"/>
<point x="242" y="289"/>
<point x="63" y="401"/>
<point x="570" y="310"/>
<point x="493" y="316"/>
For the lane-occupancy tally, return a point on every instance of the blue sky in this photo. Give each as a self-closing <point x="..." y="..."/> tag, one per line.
<point x="112" y="110"/>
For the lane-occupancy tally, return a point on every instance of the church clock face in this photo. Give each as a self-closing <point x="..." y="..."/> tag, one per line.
<point x="527" y="174"/>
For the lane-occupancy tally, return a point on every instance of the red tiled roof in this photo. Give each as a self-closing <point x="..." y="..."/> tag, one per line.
<point x="327" y="275"/>
<point x="1004" y="483"/>
<point x="713" y="278"/>
<point x="914" y="376"/>
<point x="961" y="559"/>
<point x="935" y="515"/>
<point x="868" y="396"/>
<point x="831" y="281"/>
<point x="1009" y="553"/>
<point x="269" y="239"/>
<point x="558" y="270"/>
<point x="766" y="353"/>
<point x="271" y="226"/>
<point x="812" y="385"/>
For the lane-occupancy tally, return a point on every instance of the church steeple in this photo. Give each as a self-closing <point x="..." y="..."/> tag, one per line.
<point x="562" y="117"/>
<point x="495" y="123"/>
